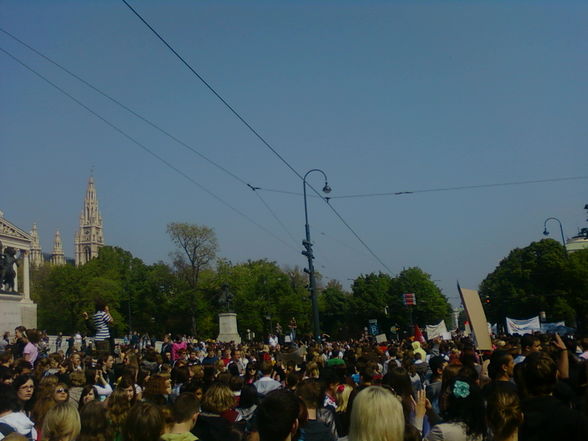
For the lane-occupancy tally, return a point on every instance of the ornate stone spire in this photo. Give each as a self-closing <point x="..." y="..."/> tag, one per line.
<point x="89" y="238"/>
<point x="57" y="256"/>
<point x="36" y="252"/>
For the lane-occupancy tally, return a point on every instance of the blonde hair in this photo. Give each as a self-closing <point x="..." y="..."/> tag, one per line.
<point x="377" y="415"/>
<point x="62" y="423"/>
<point x="342" y="395"/>
<point x="312" y="370"/>
<point x="218" y="398"/>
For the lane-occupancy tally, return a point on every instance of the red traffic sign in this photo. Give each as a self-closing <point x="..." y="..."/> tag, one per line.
<point x="409" y="299"/>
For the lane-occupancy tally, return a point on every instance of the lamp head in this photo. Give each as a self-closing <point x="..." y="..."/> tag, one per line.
<point x="545" y="232"/>
<point x="326" y="188"/>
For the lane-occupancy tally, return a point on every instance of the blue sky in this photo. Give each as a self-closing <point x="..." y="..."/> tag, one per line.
<point x="383" y="96"/>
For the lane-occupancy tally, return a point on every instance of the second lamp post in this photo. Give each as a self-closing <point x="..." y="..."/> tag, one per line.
<point x="308" y="253"/>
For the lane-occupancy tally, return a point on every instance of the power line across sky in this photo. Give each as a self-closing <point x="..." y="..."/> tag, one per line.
<point x="381" y="97"/>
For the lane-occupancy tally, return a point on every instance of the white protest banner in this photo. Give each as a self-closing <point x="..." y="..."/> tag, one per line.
<point x="437" y="330"/>
<point x="523" y="326"/>
<point x="551" y="327"/>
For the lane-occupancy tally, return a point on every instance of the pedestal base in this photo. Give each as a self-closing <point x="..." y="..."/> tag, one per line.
<point x="16" y="311"/>
<point x="227" y="325"/>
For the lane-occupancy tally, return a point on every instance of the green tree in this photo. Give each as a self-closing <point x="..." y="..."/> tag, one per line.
<point x="60" y="298"/>
<point x="197" y="248"/>
<point x="334" y="309"/>
<point x="379" y="296"/>
<point x="577" y="282"/>
<point x="370" y="299"/>
<point x="527" y="281"/>
<point x="431" y="305"/>
<point x="539" y="277"/>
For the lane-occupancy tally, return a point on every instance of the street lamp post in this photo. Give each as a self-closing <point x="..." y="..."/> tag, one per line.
<point x="309" y="255"/>
<point x="546" y="233"/>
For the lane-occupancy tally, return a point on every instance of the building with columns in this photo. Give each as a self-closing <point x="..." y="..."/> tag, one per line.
<point x="16" y="306"/>
<point x="89" y="238"/>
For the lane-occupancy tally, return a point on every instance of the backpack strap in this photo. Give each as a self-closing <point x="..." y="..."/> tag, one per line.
<point x="6" y="429"/>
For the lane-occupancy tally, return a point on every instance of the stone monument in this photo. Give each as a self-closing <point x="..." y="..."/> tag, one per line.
<point x="16" y="306"/>
<point x="227" y="321"/>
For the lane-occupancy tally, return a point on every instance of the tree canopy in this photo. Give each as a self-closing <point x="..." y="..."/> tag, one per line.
<point x="184" y="296"/>
<point x="539" y="277"/>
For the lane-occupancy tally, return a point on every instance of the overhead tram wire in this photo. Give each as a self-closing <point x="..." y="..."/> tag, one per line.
<point x="127" y="108"/>
<point x="146" y="149"/>
<point x="274" y="214"/>
<point x="461" y="187"/>
<point x="156" y="127"/>
<point x="257" y="134"/>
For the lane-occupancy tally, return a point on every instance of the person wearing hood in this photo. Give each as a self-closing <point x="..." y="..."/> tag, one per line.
<point x="10" y="419"/>
<point x="416" y="348"/>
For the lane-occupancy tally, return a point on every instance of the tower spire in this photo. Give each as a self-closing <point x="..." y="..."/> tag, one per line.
<point x="36" y="252"/>
<point x="57" y="256"/>
<point x="89" y="238"/>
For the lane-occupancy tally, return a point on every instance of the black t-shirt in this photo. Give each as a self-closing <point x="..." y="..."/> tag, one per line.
<point x="214" y="428"/>
<point x="548" y="419"/>
<point x="499" y="386"/>
<point x="314" y="430"/>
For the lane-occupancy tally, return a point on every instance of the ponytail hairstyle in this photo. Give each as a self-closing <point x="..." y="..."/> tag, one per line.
<point x="465" y="404"/>
<point x="503" y="414"/>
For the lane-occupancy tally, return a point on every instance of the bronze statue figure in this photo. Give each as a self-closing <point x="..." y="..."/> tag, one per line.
<point x="7" y="273"/>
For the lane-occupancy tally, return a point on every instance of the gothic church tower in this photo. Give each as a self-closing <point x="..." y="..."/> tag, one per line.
<point x="89" y="239"/>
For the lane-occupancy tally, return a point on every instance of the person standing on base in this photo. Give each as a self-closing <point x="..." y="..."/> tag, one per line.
<point x="101" y="320"/>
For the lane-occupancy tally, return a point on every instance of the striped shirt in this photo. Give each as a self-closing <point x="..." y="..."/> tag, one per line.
<point x="101" y="320"/>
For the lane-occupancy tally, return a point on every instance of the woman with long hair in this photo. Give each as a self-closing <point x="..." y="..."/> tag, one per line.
<point x="94" y="423"/>
<point x="377" y="415"/>
<point x="117" y="410"/>
<point x="95" y="377"/>
<point x="45" y="399"/>
<point x="463" y="413"/>
<point x="61" y="423"/>
<point x="250" y="373"/>
<point x="128" y="387"/>
<point x="61" y="393"/>
<point x="342" y="394"/>
<point x="248" y="402"/>
<point x="88" y="394"/>
<point x="158" y="390"/>
<point x="24" y="385"/>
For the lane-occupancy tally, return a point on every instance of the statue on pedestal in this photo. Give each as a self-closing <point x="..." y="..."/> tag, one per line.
<point x="226" y="298"/>
<point x="7" y="273"/>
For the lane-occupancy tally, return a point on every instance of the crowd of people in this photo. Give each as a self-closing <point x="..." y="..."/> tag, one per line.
<point x="533" y="387"/>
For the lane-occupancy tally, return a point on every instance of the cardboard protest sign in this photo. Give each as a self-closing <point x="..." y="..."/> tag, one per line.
<point x="381" y="338"/>
<point x="476" y="317"/>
